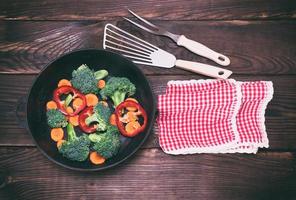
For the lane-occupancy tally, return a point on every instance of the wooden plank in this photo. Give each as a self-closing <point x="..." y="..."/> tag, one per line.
<point x="280" y="116"/>
<point x="254" y="47"/>
<point x="151" y="174"/>
<point x="152" y="9"/>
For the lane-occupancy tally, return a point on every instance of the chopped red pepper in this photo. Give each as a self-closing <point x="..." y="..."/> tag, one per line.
<point x="82" y="117"/>
<point x="66" y="90"/>
<point x="119" y="112"/>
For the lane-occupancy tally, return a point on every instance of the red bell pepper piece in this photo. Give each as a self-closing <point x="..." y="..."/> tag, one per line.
<point x="119" y="111"/>
<point x="82" y="117"/>
<point x="66" y="90"/>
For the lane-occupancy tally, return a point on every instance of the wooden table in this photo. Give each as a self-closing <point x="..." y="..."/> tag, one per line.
<point x="258" y="36"/>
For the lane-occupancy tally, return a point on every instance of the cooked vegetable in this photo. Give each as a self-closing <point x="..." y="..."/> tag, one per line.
<point x="64" y="82"/>
<point x="132" y="127"/>
<point x="66" y="90"/>
<point x="117" y="88"/>
<point x="51" y="105"/>
<point x="106" y="144"/>
<point x="69" y="110"/>
<point x="91" y="99"/>
<point x="96" y="159"/>
<point x="85" y="80"/>
<point x="88" y="111"/>
<point x="74" y="120"/>
<point x="100" y="116"/>
<point x="77" y="103"/>
<point x="101" y="84"/>
<point x="56" y="119"/>
<point x="75" y="148"/>
<point x="68" y="100"/>
<point x="132" y="108"/>
<point x="59" y="143"/>
<point x="56" y="134"/>
<point x="112" y="120"/>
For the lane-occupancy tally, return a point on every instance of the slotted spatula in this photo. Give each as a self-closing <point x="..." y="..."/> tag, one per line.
<point x="142" y="52"/>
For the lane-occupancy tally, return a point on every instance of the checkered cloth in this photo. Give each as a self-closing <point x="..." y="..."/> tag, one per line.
<point x="213" y="116"/>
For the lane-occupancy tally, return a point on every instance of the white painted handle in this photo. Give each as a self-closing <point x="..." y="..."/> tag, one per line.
<point x="203" y="69"/>
<point x="202" y="50"/>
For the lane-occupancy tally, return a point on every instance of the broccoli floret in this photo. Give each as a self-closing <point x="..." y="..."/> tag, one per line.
<point x="75" y="148"/>
<point x="101" y="117"/>
<point x="85" y="79"/>
<point x="56" y="119"/>
<point x="106" y="144"/>
<point x="117" y="88"/>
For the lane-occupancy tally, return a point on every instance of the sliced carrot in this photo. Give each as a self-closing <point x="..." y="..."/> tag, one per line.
<point x="77" y="102"/>
<point x="91" y="99"/>
<point x="51" y="105"/>
<point x="64" y="82"/>
<point x="74" y="120"/>
<point x="132" y="116"/>
<point x="56" y="134"/>
<point x="101" y="84"/>
<point x="132" y="126"/>
<point x="132" y="108"/>
<point x="59" y="143"/>
<point x="96" y="159"/>
<point x="69" y="110"/>
<point x="104" y="103"/>
<point x="112" y="119"/>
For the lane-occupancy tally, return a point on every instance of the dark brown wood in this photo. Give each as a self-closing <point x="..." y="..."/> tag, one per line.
<point x="151" y="174"/>
<point x="254" y="47"/>
<point x="155" y="9"/>
<point x="279" y="116"/>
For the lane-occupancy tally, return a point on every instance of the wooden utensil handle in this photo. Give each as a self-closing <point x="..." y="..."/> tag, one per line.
<point x="202" y="50"/>
<point x="203" y="69"/>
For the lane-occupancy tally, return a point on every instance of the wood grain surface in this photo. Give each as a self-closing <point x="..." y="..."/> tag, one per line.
<point x="158" y="9"/>
<point x="256" y="47"/>
<point x="151" y="174"/>
<point x="258" y="36"/>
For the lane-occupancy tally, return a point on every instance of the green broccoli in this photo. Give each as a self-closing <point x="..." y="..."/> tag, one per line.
<point x="101" y="116"/>
<point x="56" y="119"/>
<point x="117" y="88"/>
<point x="106" y="144"/>
<point x="85" y="79"/>
<point x="75" y="148"/>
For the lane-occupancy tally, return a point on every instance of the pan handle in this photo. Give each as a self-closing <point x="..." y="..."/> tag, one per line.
<point x="20" y="111"/>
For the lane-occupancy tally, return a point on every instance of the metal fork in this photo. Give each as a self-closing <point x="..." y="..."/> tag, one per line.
<point x="181" y="40"/>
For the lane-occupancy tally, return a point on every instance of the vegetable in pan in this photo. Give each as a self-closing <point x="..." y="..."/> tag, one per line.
<point x="56" y="119"/>
<point x="78" y="103"/>
<point x="85" y="80"/>
<point x="117" y="88"/>
<point x="76" y="147"/>
<point x="106" y="144"/>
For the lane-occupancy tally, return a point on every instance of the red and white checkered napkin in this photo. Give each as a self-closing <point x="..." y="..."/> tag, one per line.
<point x="213" y="116"/>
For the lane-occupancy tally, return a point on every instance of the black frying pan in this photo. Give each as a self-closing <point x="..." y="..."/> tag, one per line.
<point x="62" y="67"/>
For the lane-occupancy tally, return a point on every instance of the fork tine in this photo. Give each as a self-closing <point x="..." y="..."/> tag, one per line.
<point x="140" y="26"/>
<point x="142" y="19"/>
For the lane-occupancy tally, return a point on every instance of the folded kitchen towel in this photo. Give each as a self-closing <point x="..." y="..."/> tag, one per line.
<point x="213" y="116"/>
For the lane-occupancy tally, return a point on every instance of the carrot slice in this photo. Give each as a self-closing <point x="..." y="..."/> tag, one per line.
<point x="96" y="159"/>
<point x="69" y="110"/>
<point x="112" y="119"/>
<point x="77" y="102"/>
<point x="56" y="134"/>
<point x="101" y="84"/>
<point x="74" y="120"/>
<point x="64" y="82"/>
<point x="132" y="108"/>
<point x="91" y="99"/>
<point x="51" y="105"/>
<point x="132" y="126"/>
<point x="131" y="116"/>
<point x="59" y="143"/>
